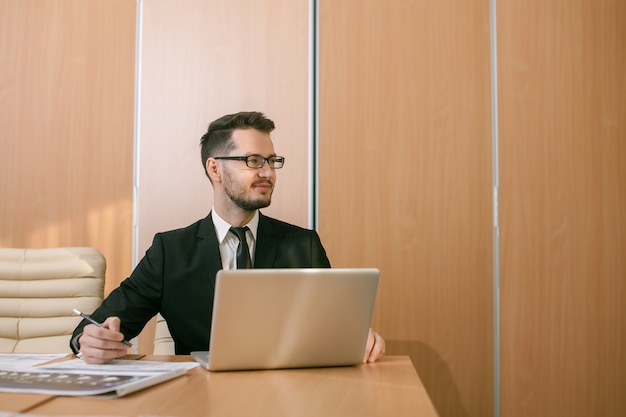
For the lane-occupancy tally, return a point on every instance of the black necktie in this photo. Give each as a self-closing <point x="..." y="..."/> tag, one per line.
<point x="243" y="253"/>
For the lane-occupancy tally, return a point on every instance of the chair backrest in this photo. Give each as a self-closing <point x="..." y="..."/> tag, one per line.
<point x="163" y="342"/>
<point x="38" y="290"/>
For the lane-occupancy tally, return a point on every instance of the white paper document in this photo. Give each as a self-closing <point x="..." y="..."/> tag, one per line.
<point x="118" y="366"/>
<point x="23" y="361"/>
<point x="77" y="378"/>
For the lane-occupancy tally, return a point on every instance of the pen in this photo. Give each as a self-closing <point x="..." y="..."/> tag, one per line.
<point x="92" y="321"/>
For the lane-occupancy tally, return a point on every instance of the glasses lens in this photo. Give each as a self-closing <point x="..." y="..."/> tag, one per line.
<point x="276" y="162"/>
<point x="255" y="161"/>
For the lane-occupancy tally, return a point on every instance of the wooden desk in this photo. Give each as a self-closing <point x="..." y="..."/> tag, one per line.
<point x="20" y="402"/>
<point x="390" y="387"/>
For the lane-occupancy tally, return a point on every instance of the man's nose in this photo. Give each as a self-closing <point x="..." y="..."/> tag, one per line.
<point x="265" y="171"/>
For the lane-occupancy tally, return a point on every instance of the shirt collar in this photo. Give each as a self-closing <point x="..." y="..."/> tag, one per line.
<point x="222" y="226"/>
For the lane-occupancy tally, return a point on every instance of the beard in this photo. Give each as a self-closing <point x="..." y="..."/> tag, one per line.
<point x="238" y="194"/>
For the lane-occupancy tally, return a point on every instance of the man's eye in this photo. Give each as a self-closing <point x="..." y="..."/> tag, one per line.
<point x="254" y="160"/>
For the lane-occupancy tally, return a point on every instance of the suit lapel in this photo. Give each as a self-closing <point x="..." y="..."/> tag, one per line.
<point x="209" y="249"/>
<point x="265" y="252"/>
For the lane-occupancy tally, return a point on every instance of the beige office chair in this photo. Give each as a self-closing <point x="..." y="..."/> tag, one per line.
<point x="163" y="342"/>
<point x="38" y="290"/>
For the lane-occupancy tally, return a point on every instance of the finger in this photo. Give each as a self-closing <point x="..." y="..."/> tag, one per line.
<point x="369" y="345"/>
<point x="95" y="350"/>
<point x="110" y="330"/>
<point x="112" y="323"/>
<point x="100" y="356"/>
<point x="97" y="336"/>
<point x="101" y="345"/>
<point x="378" y="349"/>
<point x="102" y="339"/>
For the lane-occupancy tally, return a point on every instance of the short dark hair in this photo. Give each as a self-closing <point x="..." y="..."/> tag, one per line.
<point x="217" y="139"/>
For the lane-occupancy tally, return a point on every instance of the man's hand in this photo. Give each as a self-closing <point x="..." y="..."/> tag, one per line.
<point x="102" y="344"/>
<point x="375" y="348"/>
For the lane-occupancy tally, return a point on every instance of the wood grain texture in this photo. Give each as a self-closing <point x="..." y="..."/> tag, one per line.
<point x="66" y="126"/>
<point x="405" y="180"/>
<point x="202" y="60"/>
<point x="562" y="69"/>
<point x="388" y="388"/>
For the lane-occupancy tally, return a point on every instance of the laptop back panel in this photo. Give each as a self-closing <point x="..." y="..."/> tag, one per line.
<point x="291" y="318"/>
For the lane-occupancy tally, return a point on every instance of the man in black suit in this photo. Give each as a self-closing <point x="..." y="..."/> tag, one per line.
<point x="176" y="277"/>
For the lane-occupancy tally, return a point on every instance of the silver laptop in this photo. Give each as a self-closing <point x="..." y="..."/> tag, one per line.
<point x="290" y="318"/>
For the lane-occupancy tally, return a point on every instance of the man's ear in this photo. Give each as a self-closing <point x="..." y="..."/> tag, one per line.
<point x="212" y="170"/>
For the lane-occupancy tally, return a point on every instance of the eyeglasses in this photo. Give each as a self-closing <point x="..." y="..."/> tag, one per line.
<point x="257" y="161"/>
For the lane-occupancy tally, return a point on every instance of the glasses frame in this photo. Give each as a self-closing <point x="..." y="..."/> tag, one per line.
<point x="272" y="164"/>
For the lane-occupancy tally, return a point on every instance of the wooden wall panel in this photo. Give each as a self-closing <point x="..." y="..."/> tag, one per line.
<point x="405" y="164"/>
<point x="405" y="180"/>
<point x="66" y="126"/>
<point x="562" y="71"/>
<point x="202" y="59"/>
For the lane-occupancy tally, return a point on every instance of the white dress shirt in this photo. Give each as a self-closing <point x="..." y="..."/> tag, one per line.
<point x="229" y="242"/>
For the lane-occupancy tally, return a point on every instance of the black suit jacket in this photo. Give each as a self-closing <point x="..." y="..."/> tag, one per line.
<point x="176" y="277"/>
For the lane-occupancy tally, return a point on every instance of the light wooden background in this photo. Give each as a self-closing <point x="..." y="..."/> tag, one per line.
<point x="200" y="61"/>
<point x="405" y="181"/>
<point x="66" y="127"/>
<point x="405" y="164"/>
<point x="562" y="69"/>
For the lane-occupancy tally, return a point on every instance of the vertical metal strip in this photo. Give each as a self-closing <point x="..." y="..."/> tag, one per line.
<point x="137" y="135"/>
<point x="313" y="114"/>
<point x="496" y="228"/>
